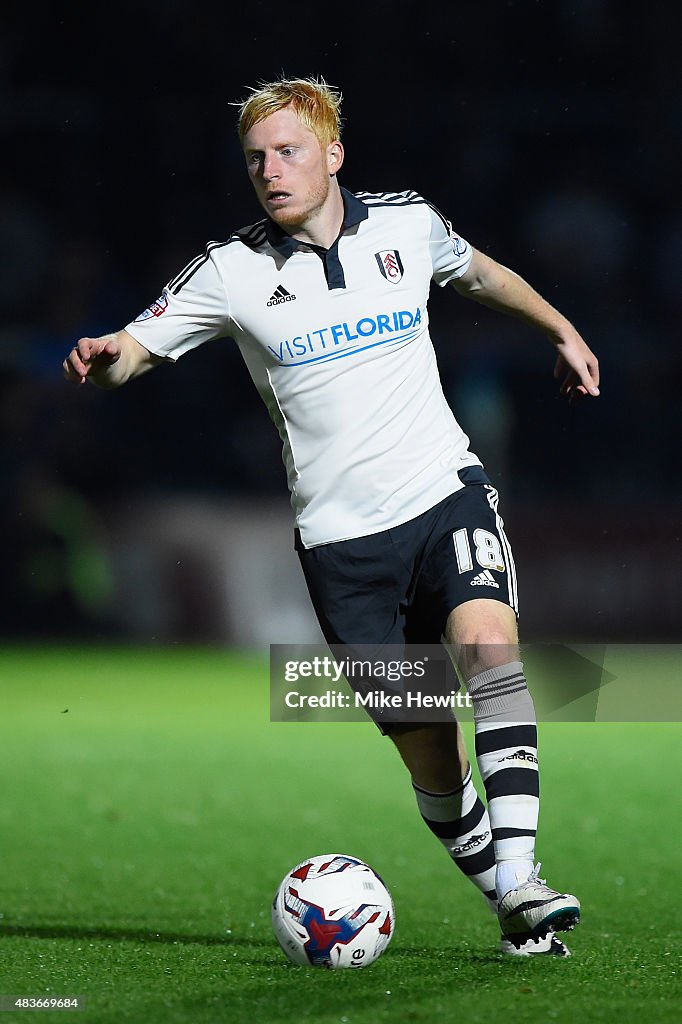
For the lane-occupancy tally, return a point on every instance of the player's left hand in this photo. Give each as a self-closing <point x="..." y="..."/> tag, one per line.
<point x="577" y="367"/>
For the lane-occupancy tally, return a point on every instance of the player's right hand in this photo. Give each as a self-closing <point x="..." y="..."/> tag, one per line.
<point x="90" y="356"/>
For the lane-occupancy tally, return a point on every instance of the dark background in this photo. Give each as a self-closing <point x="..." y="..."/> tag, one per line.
<point x="549" y="133"/>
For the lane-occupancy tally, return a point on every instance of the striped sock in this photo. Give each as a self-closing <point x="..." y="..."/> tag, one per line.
<point x="507" y="756"/>
<point x="459" y="819"/>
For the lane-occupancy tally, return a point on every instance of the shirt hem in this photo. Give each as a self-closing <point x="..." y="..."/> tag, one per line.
<point x="400" y="520"/>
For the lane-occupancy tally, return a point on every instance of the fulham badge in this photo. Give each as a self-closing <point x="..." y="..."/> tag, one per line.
<point x="390" y="264"/>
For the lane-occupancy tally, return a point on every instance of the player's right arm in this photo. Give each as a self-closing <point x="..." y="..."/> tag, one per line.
<point x="109" y="361"/>
<point x="192" y="309"/>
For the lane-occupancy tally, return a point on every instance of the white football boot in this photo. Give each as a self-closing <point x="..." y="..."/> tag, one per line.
<point x="533" y="910"/>
<point x="549" y="946"/>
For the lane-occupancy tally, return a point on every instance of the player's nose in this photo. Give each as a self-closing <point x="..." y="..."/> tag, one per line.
<point x="270" y="167"/>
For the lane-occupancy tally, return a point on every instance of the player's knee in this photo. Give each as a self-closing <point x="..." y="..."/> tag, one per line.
<point x="482" y="637"/>
<point x="480" y="649"/>
<point x="486" y="653"/>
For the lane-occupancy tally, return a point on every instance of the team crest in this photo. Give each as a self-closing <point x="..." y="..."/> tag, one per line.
<point x="390" y="264"/>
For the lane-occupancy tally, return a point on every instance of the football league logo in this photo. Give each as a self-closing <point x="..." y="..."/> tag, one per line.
<point x="157" y="308"/>
<point x="390" y="264"/>
<point x="459" y="246"/>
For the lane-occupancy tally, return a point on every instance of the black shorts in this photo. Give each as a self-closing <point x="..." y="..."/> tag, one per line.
<point x="399" y="586"/>
<point x="375" y="595"/>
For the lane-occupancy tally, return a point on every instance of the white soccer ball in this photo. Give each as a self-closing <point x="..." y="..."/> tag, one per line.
<point x="333" y="911"/>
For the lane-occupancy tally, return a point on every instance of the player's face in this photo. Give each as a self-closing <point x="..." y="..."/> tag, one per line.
<point x="289" y="169"/>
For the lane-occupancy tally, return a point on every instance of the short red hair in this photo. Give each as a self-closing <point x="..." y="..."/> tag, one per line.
<point x="316" y="104"/>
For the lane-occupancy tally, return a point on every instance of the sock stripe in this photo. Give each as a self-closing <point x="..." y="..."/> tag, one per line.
<point x="490" y="689"/>
<point x="461" y="826"/>
<point x="494" y="682"/>
<point x="512" y="782"/>
<point x="479" y="699"/>
<point x="513" y="736"/>
<point x="477" y="863"/>
<point x="512" y="833"/>
<point x="451" y="792"/>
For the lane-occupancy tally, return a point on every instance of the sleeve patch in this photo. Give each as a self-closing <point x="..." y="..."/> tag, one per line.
<point x="157" y="308"/>
<point x="459" y="246"/>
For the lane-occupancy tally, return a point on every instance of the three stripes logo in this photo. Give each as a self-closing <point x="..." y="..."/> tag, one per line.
<point x="471" y="844"/>
<point x="520" y="755"/>
<point x="485" y="579"/>
<point x="280" y="295"/>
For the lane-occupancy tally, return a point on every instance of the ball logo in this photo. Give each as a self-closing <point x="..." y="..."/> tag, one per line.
<point x="390" y="264"/>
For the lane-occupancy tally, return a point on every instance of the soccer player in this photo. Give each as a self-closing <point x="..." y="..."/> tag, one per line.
<point x="397" y="525"/>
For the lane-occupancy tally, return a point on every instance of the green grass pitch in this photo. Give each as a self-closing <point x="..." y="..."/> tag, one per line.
<point x="149" y="809"/>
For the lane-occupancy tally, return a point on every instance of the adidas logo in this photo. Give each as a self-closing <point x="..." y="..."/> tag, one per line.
<point x="471" y="844"/>
<point x="279" y="295"/>
<point x="485" y="579"/>
<point x="520" y="755"/>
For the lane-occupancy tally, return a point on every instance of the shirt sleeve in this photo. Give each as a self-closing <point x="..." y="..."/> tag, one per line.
<point x="450" y="254"/>
<point x="192" y="309"/>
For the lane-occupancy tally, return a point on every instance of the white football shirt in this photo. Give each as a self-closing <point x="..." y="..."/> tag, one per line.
<point x="337" y="343"/>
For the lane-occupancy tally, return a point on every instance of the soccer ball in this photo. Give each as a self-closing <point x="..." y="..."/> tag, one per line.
<point x="333" y="911"/>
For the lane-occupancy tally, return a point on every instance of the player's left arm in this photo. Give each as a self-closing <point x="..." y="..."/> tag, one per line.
<point x="496" y="286"/>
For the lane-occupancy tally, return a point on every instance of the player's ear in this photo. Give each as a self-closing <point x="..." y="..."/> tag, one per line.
<point x="334" y="157"/>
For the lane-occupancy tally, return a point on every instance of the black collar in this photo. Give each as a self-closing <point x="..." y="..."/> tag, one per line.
<point x="354" y="211"/>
